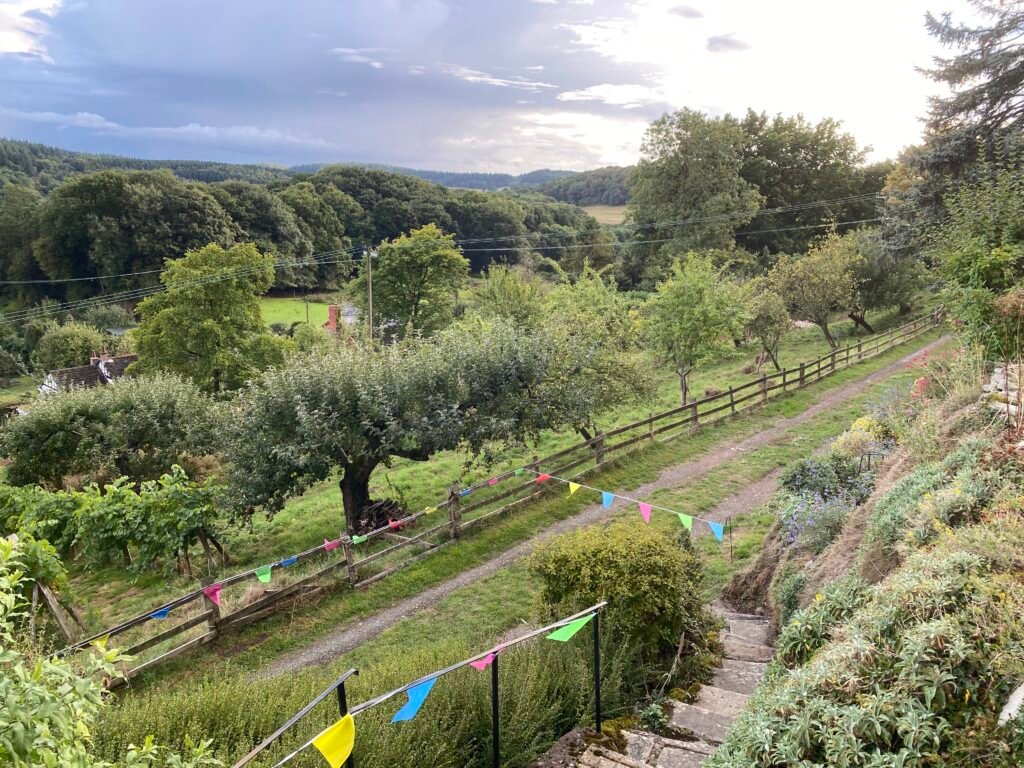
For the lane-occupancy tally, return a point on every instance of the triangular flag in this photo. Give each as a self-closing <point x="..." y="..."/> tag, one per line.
<point x="263" y="573"/>
<point x="395" y="525"/>
<point x="359" y="539"/>
<point x="493" y="481"/>
<point x="417" y="695"/>
<point x="336" y="743"/>
<point x="289" y="561"/>
<point x="483" y="663"/>
<point x="518" y="472"/>
<point x="645" y="510"/>
<point x="329" y="545"/>
<point x="428" y="510"/>
<point x="213" y="592"/>
<point x="716" y="528"/>
<point x="573" y="487"/>
<point x="686" y="520"/>
<point x="465" y="492"/>
<point x="161" y="613"/>
<point x="566" y="633"/>
<point x="542" y="478"/>
<point x="607" y="499"/>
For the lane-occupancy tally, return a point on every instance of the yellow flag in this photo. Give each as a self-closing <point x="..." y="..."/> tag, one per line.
<point x="428" y="510"/>
<point x="336" y="743"/>
<point x="573" y="487"/>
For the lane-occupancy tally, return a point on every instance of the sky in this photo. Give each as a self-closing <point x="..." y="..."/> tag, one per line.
<point x="469" y="85"/>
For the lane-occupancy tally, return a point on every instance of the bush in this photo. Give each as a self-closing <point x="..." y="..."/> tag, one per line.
<point x="652" y="586"/>
<point x="67" y="346"/>
<point x="812" y="521"/>
<point x="105" y="316"/>
<point x="786" y="592"/>
<point x="828" y="477"/>
<point x="136" y="428"/>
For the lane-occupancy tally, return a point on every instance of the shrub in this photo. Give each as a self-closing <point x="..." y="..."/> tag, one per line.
<point x="652" y="586"/>
<point x="66" y="346"/>
<point x="810" y="628"/>
<point x="828" y="477"/>
<point x="812" y="521"/>
<point x="852" y="444"/>
<point x="105" y="316"/>
<point x="786" y="592"/>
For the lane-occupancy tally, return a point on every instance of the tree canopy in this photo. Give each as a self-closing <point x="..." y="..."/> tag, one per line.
<point x="206" y="326"/>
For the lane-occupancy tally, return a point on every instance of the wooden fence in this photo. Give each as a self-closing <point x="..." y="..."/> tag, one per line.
<point x="391" y="548"/>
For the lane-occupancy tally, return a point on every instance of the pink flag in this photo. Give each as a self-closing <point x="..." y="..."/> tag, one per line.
<point x="542" y="478"/>
<point x="645" y="510"/>
<point x="483" y="663"/>
<point x="329" y="545"/>
<point x="213" y="593"/>
<point x="493" y="481"/>
<point x="395" y="525"/>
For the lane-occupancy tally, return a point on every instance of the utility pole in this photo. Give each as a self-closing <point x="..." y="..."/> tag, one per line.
<point x="368" y="257"/>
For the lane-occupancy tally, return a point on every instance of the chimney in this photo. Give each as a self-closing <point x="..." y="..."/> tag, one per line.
<point x="102" y="357"/>
<point x="331" y="326"/>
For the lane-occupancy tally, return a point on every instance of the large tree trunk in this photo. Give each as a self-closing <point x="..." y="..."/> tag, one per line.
<point x="828" y="334"/>
<point x="774" y="357"/>
<point x="355" y="491"/>
<point x="858" y="318"/>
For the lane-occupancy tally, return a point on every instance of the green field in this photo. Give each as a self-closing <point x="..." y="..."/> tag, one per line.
<point x="284" y="310"/>
<point x="612" y="215"/>
<point x="20" y="390"/>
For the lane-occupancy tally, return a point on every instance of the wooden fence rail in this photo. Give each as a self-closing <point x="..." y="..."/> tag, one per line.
<point x="502" y="494"/>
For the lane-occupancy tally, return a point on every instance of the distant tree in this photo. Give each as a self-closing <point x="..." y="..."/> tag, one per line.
<point x="695" y="313"/>
<point x="511" y="294"/>
<point x="116" y="222"/>
<point x="601" y="186"/>
<point x="105" y="316"/>
<point x="882" y="279"/>
<point x="20" y="209"/>
<point x="356" y="408"/>
<point x="11" y="367"/>
<point x="66" y="346"/>
<point x="792" y="161"/>
<point x="321" y="225"/>
<point x="309" y="337"/>
<point x="768" y="320"/>
<point x="689" y="170"/>
<point x="817" y="284"/>
<point x="138" y="428"/>
<point x="206" y="326"/>
<point x="496" y="220"/>
<point x="416" y="279"/>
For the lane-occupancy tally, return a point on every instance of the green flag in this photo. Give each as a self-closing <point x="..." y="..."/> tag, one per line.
<point x="518" y="472"/>
<point x="566" y="633"/>
<point x="686" y="520"/>
<point x="359" y="539"/>
<point x="263" y="573"/>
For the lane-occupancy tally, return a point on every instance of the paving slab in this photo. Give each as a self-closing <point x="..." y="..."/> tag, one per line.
<point x="704" y="724"/>
<point x="639" y="746"/>
<point x="680" y="758"/>
<point x="751" y="630"/>
<point x="726" y="703"/>
<point x="741" y="650"/>
<point x="739" y="676"/>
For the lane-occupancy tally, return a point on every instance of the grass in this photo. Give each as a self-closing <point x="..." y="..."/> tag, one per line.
<point x="612" y="215"/>
<point x="276" y="309"/>
<point x="19" y="390"/>
<point x="258" y="645"/>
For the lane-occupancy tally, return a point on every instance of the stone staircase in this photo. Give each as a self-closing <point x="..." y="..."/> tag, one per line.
<point x="708" y="718"/>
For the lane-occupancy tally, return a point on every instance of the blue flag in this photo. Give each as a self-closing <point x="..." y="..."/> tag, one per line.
<point x="160" y="614"/>
<point x="417" y="695"/>
<point x="289" y="561"/>
<point x="465" y="492"/>
<point x="607" y="499"/>
<point x="716" y="528"/>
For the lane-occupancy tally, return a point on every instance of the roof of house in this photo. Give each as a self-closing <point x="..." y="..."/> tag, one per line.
<point x="92" y="375"/>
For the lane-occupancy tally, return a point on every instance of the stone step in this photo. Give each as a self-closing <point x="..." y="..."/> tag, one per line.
<point x="725" y="703"/>
<point x="739" y="676"/>
<point x="721" y="609"/>
<point x="639" y="746"/>
<point x="702" y="723"/>
<point x="743" y="650"/>
<point x="753" y="631"/>
<point x="599" y="757"/>
<point x="683" y="754"/>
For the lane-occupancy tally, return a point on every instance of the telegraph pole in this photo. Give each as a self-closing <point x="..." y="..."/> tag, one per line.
<point x="368" y="257"/>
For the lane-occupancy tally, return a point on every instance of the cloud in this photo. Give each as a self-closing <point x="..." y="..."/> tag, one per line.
<point x="359" y="55"/>
<point x="535" y="68"/>
<point x="687" y="12"/>
<point x="627" y="96"/>
<point x="23" y="27"/>
<point x="230" y="135"/>
<point x="332" y="92"/>
<point x="483" y="78"/>
<point x="417" y="69"/>
<point x="726" y="44"/>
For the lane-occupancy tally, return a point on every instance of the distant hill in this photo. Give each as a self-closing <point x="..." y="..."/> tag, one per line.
<point x="43" y="167"/>
<point x="602" y="186"/>
<point x="484" y="181"/>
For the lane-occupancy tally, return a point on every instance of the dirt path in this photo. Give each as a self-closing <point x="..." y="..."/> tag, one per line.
<point x="350" y="636"/>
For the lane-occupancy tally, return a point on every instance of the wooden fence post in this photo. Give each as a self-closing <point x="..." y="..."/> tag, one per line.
<point x="860" y="352"/>
<point x="650" y="425"/>
<point x="732" y="401"/>
<point x="693" y="415"/>
<point x="598" y="449"/>
<point x="832" y="364"/>
<point x="454" y="510"/>
<point x="784" y="371"/>
<point x="764" y="388"/>
<point x="212" y="623"/>
<point x="350" y="561"/>
<point x="802" y="382"/>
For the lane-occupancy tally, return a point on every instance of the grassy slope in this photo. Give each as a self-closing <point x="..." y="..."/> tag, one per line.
<point x="476" y="615"/>
<point x="284" y="310"/>
<point x="20" y="390"/>
<point x="607" y="214"/>
<point x="253" y="648"/>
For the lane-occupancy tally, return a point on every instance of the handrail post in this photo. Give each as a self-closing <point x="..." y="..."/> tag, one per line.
<point x="597" y="671"/>
<point x="732" y="401"/>
<point x="495" y="716"/>
<point x="342" y="711"/>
